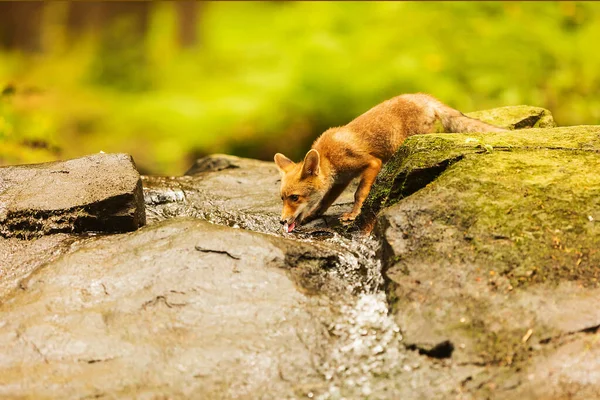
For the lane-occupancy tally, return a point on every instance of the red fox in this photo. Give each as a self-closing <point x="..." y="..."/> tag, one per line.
<point x="360" y="148"/>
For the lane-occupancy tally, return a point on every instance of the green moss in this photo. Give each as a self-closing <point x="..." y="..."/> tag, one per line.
<point x="585" y="137"/>
<point x="530" y="206"/>
<point x="492" y="233"/>
<point x="516" y="117"/>
<point x="422" y="156"/>
<point x="531" y="214"/>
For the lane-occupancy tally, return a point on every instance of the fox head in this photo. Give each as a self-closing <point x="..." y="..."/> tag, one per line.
<point x="303" y="185"/>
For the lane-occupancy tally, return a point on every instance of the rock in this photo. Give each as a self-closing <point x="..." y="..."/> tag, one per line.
<point x="570" y="371"/>
<point x="182" y="308"/>
<point x="246" y="196"/>
<point x="101" y="192"/>
<point x="516" y="117"/>
<point x="491" y="243"/>
<point x="18" y="258"/>
<point x="281" y="316"/>
<point x="423" y="158"/>
<point x="219" y="162"/>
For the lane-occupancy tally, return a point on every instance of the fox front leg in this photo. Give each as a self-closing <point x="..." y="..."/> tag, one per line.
<point x="332" y="194"/>
<point x="364" y="187"/>
<point x="336" y="190"/>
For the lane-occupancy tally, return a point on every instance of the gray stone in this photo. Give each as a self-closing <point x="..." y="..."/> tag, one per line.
<point x="101" y="192"/>
<point x="219" y="162"/>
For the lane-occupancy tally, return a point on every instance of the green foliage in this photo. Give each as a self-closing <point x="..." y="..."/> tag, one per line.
<point x="24" y="138"/>
<point x="120" y="61"/>
<point x="271" y="76"/>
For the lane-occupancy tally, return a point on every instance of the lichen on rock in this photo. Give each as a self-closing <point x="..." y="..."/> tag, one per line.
<point x="423" y="157"/>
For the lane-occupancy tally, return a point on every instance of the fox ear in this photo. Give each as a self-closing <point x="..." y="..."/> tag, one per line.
<point x="311" y="164"/>
<point x="282" y="162"/>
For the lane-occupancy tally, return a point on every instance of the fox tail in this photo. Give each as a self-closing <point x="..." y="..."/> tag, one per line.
<point x="456" y="122"/>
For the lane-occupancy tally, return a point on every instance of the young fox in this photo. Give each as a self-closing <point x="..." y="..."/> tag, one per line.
<point x="360" y="148"/>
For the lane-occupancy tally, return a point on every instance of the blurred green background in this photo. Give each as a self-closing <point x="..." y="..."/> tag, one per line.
<point x="172" y="81"/>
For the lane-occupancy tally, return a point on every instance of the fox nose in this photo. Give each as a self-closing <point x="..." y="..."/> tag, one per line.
<point x="282" y="222"/>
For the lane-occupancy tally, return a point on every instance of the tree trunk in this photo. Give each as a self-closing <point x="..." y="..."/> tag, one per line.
<point x="188" y="13"/>
<point x="137" y="11"/>
<point x="21" y="25"/>
<point x="83" y="15"/>
<point x="100" y="15"/>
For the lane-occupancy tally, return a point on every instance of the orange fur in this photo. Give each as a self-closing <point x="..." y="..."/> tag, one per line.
<point x="360" y="148"/>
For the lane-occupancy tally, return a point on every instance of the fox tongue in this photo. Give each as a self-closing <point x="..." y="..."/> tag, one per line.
<point x="290" y="227"/>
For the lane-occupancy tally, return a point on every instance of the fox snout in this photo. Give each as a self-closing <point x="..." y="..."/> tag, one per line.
<point x="288" y="214"/>
<point x="288" y="222"/>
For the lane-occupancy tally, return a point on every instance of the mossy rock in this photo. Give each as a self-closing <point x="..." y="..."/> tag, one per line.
<point x="492" y="241"/>
<point x="423" y="157"/>
<point x="516" y="117"/>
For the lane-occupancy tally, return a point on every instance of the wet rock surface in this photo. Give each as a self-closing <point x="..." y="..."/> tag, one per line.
<point x="182" y="308"/>
<point x="18" y="258"/>
<point x="186" y="308"/>
<point x="480" y="281"/>
<point x="101" y="192"/>
<point x="243" y="195"/>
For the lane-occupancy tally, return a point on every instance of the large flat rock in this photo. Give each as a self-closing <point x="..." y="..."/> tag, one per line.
<point x="179" y="309"/>
<point x="101" y="192"/>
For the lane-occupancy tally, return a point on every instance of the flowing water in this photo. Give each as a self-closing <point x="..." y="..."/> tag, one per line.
<point x="363" y="341"/>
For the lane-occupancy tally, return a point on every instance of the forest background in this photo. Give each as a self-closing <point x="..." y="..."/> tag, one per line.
<point x="169" y="82"/>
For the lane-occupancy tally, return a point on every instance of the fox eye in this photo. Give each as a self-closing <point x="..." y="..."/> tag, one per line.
<point x="293" y="197"/>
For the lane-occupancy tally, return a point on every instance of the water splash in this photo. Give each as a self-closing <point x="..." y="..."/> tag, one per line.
<point x="172" y="197"/>
<point x="366" y="342"/>
<point x="367" y="346"/>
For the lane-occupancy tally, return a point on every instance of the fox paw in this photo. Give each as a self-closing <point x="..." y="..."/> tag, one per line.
<point x="348" y="217"/>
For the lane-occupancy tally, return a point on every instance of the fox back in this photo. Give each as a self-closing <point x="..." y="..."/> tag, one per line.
<point x="381" y="130"/>
<point x="360" y="148"/>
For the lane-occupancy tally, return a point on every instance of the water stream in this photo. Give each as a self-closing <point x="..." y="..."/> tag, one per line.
<point x="364" y="341"/>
